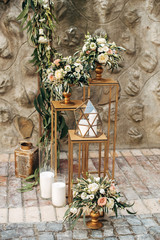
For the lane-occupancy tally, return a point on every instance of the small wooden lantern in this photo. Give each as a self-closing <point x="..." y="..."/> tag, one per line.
<point x="26" y="159"/>
<point x="88" y="122"/>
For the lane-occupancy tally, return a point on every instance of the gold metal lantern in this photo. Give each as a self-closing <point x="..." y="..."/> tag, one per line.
<point x="88" y="122"/>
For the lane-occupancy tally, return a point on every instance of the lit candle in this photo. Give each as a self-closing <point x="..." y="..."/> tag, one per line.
<point x="83" y="126"/>
<point x="46" y="180"/>
<point x="59" y="194"/>
<point x="93" y="123"/>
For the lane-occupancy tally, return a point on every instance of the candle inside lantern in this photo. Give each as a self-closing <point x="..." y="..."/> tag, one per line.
<point x="93" y="123"/>
<point x="83" y="126"/>
<point x="59" y="191"/>
<point x="46" y="180"/>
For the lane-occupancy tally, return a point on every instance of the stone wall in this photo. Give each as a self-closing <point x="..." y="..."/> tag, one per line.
<point x="135" y="25"/>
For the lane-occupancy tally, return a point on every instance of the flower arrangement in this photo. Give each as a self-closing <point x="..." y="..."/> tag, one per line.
<point x="95" y="194"/>
<point x="64" y="72"/>
<point x="97" y="49"/>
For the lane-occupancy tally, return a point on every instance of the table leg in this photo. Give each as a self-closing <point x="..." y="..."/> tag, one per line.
<point x="99" y="167"/>
<point x="55" y="130"/>
<point x="79" y="161"/>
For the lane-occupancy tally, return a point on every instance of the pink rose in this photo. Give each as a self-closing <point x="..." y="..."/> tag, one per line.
<point x="56" y="62"/>
<point x="102" y="201"/>
<point x="88" y="52"/>
<point x="110" y="51"/>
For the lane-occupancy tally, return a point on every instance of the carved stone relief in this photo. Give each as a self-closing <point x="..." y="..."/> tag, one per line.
<point x="153" y="7"/>
<point x="106" y="10"/>
<point x="155" y="34"/>
<point x="27" y="67"/>
<point x="60" y="9"/>
<point x="130" y="16"/>
<point x="133" y="86"/>
<point x="105" y="113"/>
<point x="6" y="114"/>
<point x="135" y="111"/>
<point x="157" y="90"/>
<point x="135" y="135"/>
<point x="6" y="83"/>
<point x="25" y="98"/>
<point x="131" y="24"/>
<point x="105" y="95"/>
<point x="9" y="139"/>
<point x="10" y="37"/>
<point x="72" y="37"/>
<point x="128" y="42"/>
<point x="148" y="61"/>
<point x="5" y="1"/>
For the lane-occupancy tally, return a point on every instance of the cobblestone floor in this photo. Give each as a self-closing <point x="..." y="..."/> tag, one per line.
<point x="137" y="173"/>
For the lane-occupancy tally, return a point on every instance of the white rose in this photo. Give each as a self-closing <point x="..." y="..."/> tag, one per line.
<point x="49" y="71"/>
<point x="84" y="48"/>
<point x="48" y="48"/>
<point x="77" y="69"/>
<point x="102" y="191"/>
<point x="89" y="180"/>
<point x="91" y="196"/>
<point x="93" y="187"/>
<point x="41" y="31"/>
<point x="110" y="203"/>
<point x="73" y="210"/>
<point x="102" y="58"/>
<point x="92" y="46"/>
<point x="42" y="40"/>
<point x="105" y="49"/>
<point x="101" y="40"/>
<point x="45" y="6"/>
<point x="78" y="75"/>
<point x="100" y="49"/>
<point x="68" y="68"/>
<point x="59" y="74"/>
<point x="97" y="179"/>
<point x="84" y="196"/>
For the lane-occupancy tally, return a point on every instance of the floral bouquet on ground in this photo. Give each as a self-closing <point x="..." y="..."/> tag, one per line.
<point x="63" y="73"/>
<point x="95" y="194"/>
<point x="97" y="49"/>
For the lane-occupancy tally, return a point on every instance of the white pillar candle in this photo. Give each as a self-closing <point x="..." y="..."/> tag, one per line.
<point x="93" y="123"/>
<point x="58" y="194"/>
<point x="83" y="126"/>
<point x="46" y="180"/>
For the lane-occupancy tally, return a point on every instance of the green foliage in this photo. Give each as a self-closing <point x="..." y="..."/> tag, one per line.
<point x="30" y="182"/>
<point x="39" y="21"/>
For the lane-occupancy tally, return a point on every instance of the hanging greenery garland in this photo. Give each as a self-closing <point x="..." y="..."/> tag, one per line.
<point x="38" y="19"/>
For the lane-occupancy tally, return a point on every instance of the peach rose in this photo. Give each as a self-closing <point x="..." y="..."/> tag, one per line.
<point x="102" y="201"/>
<point x="51" y="77"/>
<point x="110" y="51"/>
<point x="112" y="188"/>
<point x="56" y="62"/>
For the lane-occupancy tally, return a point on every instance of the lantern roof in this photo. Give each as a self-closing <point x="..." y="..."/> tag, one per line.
<point x="90" y="108"/>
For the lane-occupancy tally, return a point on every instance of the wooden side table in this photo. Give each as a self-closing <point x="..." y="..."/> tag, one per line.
<point x="56" y="106"/>
<point x="113" y="94"/>
<point x="83" y="165"/>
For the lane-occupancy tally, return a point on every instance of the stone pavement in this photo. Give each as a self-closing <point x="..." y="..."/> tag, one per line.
<point x="137" y="173"/>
